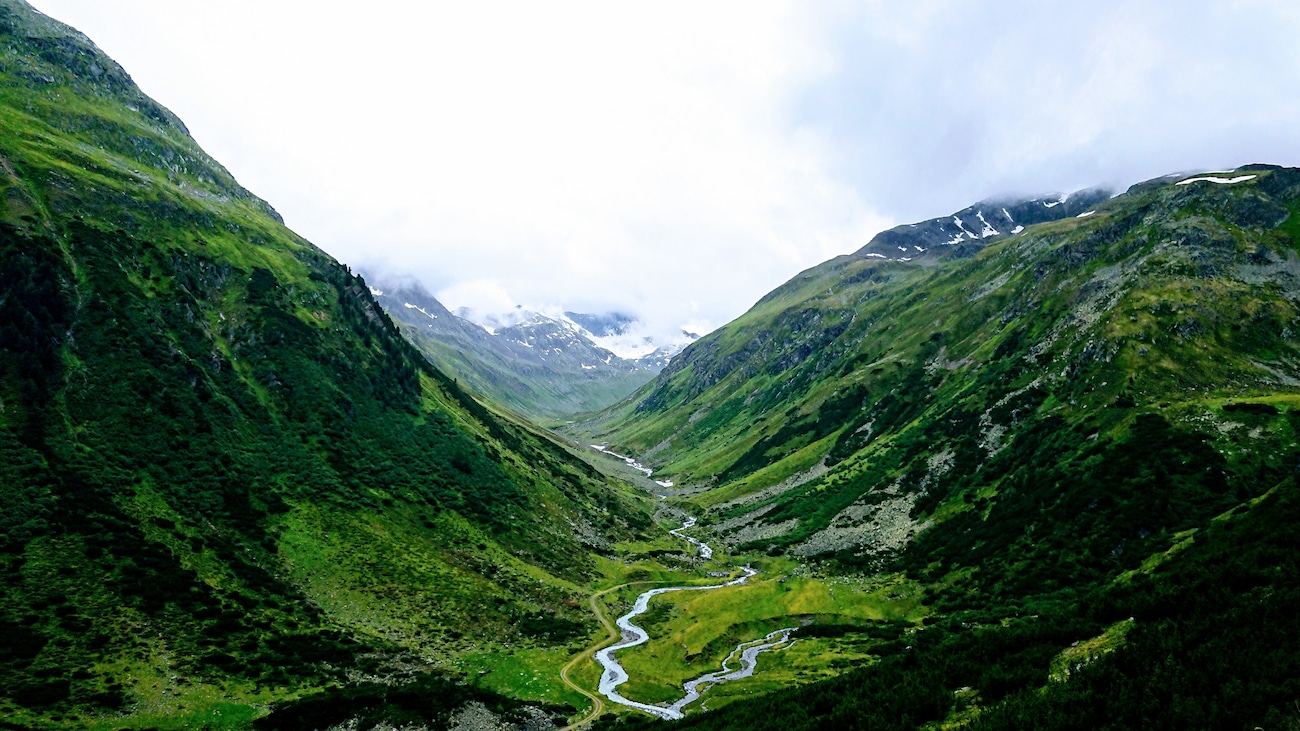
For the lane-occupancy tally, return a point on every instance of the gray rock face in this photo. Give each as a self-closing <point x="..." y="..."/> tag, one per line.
<point x="873" y="528"/>
<point x="472" y="716"/>
<point x="475" y="716"/>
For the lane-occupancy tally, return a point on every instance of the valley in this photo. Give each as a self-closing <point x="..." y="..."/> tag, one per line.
<point x="688" y="631"/>
<point x="614" y="675"/>
<point x="986" y="475"/>
<point x="1020" y="431"/>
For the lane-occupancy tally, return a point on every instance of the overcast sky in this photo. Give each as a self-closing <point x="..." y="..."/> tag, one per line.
<point x="678" y="160"/>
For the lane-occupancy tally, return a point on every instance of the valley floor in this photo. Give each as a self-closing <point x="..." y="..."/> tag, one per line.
<point x="693" y="632"/>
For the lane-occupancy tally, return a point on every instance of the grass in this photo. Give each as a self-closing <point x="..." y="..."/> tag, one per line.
<point x="452" y="592"/>
<point x="530" y="674"/>
<point x="693" y="631"/>
<point x="426" y="588"/>
<point x="774" y="474"/>
<point x="399" y="573"/>
<point x="696" y="630"/>
<point x="1088" y="651"/>
<point x="805" y="661"/>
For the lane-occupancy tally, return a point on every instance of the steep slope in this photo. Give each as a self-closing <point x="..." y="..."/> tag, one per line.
<point x="227" y="480"/>
<point x="1144" y="355"/>
<point x="1027" y="430"/>
<point x="540" y="367"/>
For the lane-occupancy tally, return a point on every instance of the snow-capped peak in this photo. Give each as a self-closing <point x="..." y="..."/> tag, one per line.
<point x="620" y="334"/>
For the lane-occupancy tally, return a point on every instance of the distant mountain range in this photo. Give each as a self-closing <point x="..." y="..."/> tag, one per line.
<point x="545" y="367"/>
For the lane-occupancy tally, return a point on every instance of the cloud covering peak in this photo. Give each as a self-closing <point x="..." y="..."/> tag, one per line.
<point x="677" y="160"/>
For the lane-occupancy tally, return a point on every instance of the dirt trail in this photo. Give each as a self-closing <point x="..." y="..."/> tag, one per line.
<point x="598" y="703"/>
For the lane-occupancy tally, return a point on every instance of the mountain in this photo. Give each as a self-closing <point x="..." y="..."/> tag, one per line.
<point x="232" y="493"/>
<point x="1080" y="434"/>
<point x="546" y="368"/>
<point x="967" y="231"/>
<point x="1045" y="478"/>
<point x="622" y="335"/>
<point x="603" y="326"/>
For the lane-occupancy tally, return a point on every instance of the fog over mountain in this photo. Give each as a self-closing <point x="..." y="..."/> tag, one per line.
<point x="675" y="162"/>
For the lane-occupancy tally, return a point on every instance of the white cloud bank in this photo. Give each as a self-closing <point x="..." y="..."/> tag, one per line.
<point x="677" y="160"/>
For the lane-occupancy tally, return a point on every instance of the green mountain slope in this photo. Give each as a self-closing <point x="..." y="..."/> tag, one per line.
<point x="1211" y="640"/>
<point x="1145" y="322"/>
<point x="226" y="480"/>
<point x="1029" y="429"/>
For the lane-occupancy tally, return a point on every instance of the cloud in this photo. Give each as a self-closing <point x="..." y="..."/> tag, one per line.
<point x="961" y="100"/>
<point x="479" y="295"/>
<point x="678" y="160"/>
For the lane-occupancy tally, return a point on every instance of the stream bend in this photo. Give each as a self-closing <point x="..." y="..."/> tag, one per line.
<point x="614" y="675"/>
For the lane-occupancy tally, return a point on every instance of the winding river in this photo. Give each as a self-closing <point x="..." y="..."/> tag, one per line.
<point x="746" y="653"/>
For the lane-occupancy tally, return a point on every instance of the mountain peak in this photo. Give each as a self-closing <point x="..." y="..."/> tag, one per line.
<point x="967" y="231"/>
<point x="606" y="325"/>
<point x="546" y="364"/>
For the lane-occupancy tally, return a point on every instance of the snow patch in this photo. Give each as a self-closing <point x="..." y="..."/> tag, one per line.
<point x="602" y="448"/>
<point x="962" y="226"/>
<point x="1017" y="229"/>
<point x="878" y="256"/>
<point x="1216" y="180"/>
<point x="421" y="310"/>
<point x="1085" y="214"/>
<point x="632" y="342"/>
<point x="988" y="230"/>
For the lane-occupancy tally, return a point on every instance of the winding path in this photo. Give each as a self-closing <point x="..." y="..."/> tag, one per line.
<point x="598" y="705"/>
<point x="614" y="675"/>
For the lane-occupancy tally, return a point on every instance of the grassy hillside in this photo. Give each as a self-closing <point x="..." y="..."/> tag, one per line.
<point x="227" y="481"/>
<point x="1151" y="340"/>
<point x="1207" y="641"/>
<point x="1022" y="430"/>
<point x="1001" y="488"/>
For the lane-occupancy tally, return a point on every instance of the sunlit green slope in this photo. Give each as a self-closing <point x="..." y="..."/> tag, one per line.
<point x="1092" y="420"/>
<point x="225" y="479"/>
<point x="865" y="401"/>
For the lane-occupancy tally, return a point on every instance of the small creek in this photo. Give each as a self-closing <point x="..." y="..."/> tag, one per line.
<point x="746" y="653"/>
